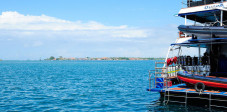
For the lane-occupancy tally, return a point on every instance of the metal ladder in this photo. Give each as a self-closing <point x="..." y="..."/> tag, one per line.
<point x="167" y="99"/>
<point x="168" y="95"/>
<point x="160" y="72"/>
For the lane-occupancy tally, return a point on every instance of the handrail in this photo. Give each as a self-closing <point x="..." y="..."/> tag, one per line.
<point x="208" y="24"/>
<point x="164" y="73"/>
<point x="186" y="97"/>
<point x="213" y="23"/>
<point x="150" y="78"/>
<point x="193" y="3"/>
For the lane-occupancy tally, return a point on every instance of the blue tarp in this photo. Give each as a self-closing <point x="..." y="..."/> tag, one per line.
<point x="159" y="85"/>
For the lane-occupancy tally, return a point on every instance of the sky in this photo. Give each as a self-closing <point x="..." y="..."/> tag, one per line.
<point x="34" y="29"/>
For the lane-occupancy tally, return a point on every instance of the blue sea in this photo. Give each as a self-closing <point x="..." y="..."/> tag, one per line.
<point x="55" y="86"/>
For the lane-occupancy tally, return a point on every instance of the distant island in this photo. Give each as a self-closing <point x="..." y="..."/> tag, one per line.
<point x="103" y="58"/>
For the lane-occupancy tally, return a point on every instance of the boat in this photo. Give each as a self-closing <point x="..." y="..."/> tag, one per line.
<point x="210" y="34"/>
<point x="209" y="81"/>
<point x="201" y="74"/>
<point x="204" y="32"/>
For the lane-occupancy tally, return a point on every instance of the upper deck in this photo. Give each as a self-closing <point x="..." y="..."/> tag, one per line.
<point x="204" y="11"/>
<point x="202" y="6"/>
<point x="193" y="3"/>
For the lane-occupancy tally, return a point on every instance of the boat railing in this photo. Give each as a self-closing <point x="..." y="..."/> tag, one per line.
<point x="216" y="23"/>
<point x="151" y="75"/>
<point x="193" y="3"/>
<point x="162" y="74"/>
<point x="157" y="77"/>
<point x="209" y="24"/>
<point x="160" y="77"/>
<point x="211" y="98"/>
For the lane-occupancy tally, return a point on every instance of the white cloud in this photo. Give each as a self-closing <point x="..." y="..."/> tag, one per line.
<point x="37" y="43"/>
<point x="16" y="21"/>
<point x="43" y="36"/>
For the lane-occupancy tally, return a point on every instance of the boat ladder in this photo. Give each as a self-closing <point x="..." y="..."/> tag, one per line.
<point x="159" y="75"/>
<point x="167" y="97"/>
<point x="183" y="99"/>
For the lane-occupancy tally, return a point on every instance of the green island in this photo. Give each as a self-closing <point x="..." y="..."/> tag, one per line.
<point x="103" y="58"/>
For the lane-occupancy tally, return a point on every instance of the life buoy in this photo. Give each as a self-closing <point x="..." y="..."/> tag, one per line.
<point x="171" y="61"/>
<point x="175" y="60"/>
<point x="199" y="87"/>
<point x="168" y="61"/>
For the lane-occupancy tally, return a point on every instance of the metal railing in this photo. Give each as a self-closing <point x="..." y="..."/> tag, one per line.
<point x="192" y="3"/>
<point x="161" y="75"/>
<point x="210" y="24"/>
<point x="158" y="74"/>
<point x="187" y="96"/>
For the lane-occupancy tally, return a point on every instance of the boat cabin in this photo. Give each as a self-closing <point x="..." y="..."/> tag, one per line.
<point x="212" y="62"/>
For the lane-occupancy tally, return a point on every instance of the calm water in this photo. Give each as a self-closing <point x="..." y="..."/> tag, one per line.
<point x="79" y="86"/>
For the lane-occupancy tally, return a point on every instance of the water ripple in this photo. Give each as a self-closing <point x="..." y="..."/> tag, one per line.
<point x="77" y="86"/>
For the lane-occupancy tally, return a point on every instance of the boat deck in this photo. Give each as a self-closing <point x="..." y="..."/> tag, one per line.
<point x="183" y="88"/>
<point x="188" y="96"/>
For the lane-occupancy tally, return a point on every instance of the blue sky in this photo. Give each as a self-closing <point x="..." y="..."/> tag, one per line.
<point x="80" y="28"/>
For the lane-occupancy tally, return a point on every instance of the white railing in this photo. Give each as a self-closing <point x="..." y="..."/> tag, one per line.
<point x="161" y="75"/>
<point x="212" y="99"/>
<point x="192" y="3"/>
<point x="210" y="24"/>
